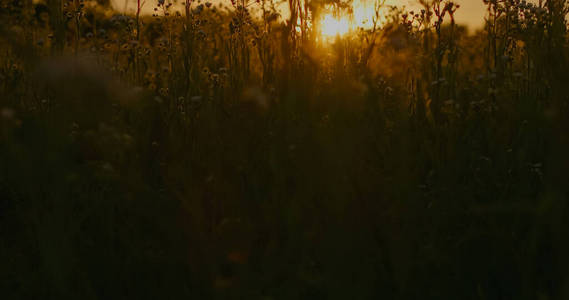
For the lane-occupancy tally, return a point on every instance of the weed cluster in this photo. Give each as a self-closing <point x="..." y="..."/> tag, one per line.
<point x="225" y="152"/>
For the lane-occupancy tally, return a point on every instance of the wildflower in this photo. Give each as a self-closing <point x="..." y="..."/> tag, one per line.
<point x="273" y="17"/>
<point x="164" y="91"/>
<point x="201" y="34"/>
<point x="198" y="9"/>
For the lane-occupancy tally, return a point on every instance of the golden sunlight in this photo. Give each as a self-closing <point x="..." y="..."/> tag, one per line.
<point x="332" y="26"/>
<point x="340" y="23"/>
<point x="363" y="13"/>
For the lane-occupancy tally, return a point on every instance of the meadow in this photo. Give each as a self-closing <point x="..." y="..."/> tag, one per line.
<point x="229" y="151"/>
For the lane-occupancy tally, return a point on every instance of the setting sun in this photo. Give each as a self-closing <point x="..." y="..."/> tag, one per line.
<point x="340" y="23"/>
<point x="333" y="26"/>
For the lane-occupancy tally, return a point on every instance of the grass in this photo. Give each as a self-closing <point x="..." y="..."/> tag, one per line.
<point x="218" y="153"/>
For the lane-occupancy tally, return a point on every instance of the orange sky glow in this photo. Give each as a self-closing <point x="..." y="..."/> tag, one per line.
<point x="471" y="12"/>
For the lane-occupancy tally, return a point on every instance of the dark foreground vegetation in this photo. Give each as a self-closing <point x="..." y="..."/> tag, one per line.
<point x="205" y="153"/>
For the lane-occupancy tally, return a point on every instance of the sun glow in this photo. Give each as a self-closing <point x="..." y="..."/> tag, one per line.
<point x="339" y="24"/>
<point x="364" y="13"/>
<point x="332" y="26"/>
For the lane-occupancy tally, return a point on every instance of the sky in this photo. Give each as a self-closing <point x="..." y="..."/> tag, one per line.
<point x="471" y="12"/>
